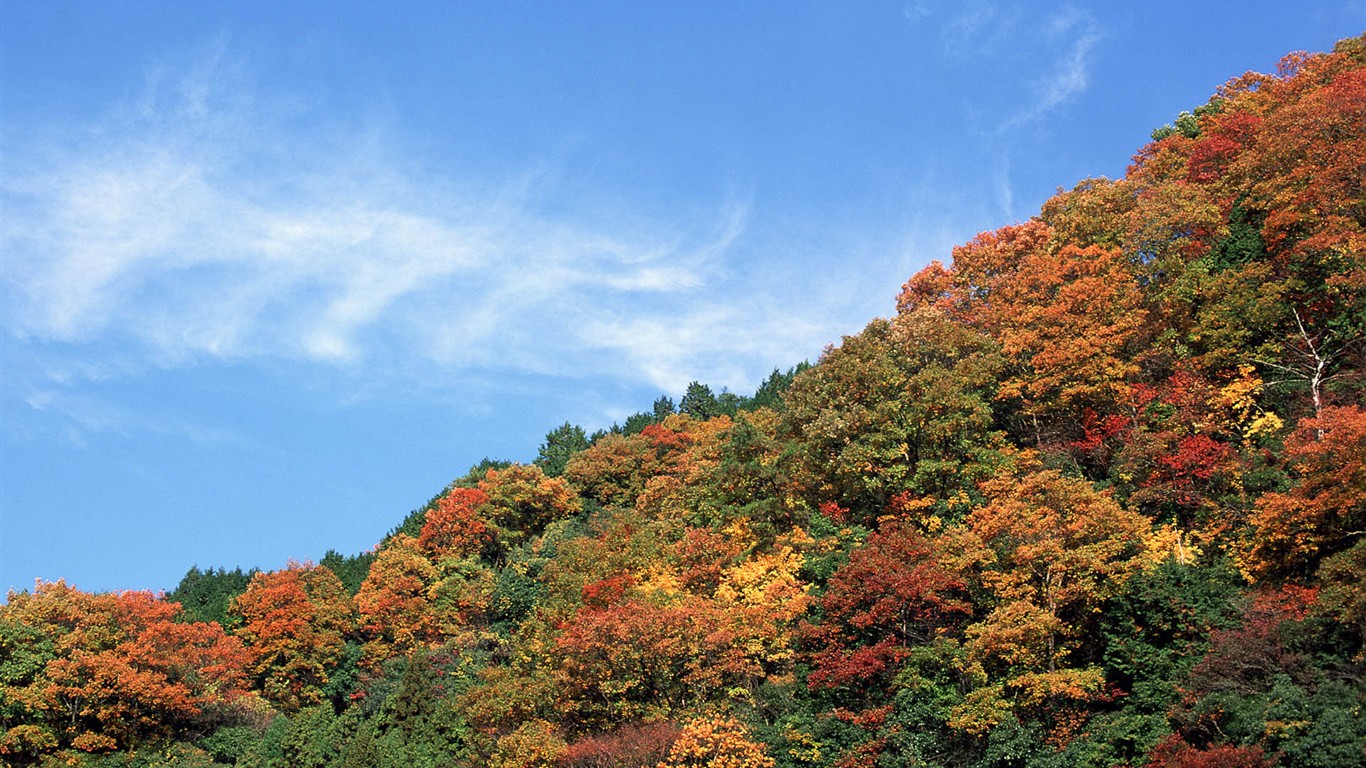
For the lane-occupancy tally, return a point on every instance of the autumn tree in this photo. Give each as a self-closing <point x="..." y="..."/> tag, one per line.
<point x="688" y="454"/>
<point x="1305" y="173"/>
<point x="1325" y="510"/>
<point x="1176" y="753"/>
<point x="891" y="596"/>
<point x="630" y="745"/>
<point x="533" y="744"/>
<point x="630" y="658"/>
<point x="716" y="742"/>
<point x="1049" y="550"/>
<point x="613" y="471"/>
<point x="903" y="406"/>
<point x="102" y="672"/>
<point x="1094" y="212"/>
<point x="1177" y="454"/>
<point x="521" y="500"/>
<point x="456" y="525"/>
<point x="657" y="630"/>
<point x="294" y="623"/>
<point x="393" y="604"/>
<point x="1069" y="321"/>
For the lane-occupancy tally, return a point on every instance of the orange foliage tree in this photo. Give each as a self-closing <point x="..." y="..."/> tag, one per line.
<point x="294" y="623"/>
<point x="1325" y="510"/>
<point x="111" y="671"/>
<point x="638" y="651"/>
<point x="1068" y="318"/>
<point x="613" y="470"/>
<point x="455" y="526"/>
<point x="393" y="603"/>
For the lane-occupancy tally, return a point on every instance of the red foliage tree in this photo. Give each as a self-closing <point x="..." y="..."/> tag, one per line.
<point x="626" y="747"/>
<point x="1245" y="658"/>
<point x="892" y="594"/>
<point x="1173" y="752"/>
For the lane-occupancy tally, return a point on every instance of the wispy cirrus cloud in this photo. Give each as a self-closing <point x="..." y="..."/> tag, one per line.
<point x="193" y="223"/>
<point x="77" y="416"/>
<point x="1043" y="60"/>
<point x="1037" y="64"/>
<point x="1072" y="35"/>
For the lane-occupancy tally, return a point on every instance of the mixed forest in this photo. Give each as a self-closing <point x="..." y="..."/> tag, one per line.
<point x="1094" y="496"/>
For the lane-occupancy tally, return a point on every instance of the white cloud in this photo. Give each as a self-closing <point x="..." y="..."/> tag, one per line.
<point x="194" y="226"/>
<point x="1079" y="34"/>
<point x="916" y="10"/>
<point x="975" y="20"/>
<point x="1070" y="35"/>
<point x="1038" y="63"/>
<point x="668" y="348"/>
<point x="79" y="416"/>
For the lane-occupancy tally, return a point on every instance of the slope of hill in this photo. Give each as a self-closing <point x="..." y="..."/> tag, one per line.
<point x="1094" y="496"/>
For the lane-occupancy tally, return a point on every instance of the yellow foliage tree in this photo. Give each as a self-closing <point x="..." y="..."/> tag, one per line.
<point x="716" y="742"/>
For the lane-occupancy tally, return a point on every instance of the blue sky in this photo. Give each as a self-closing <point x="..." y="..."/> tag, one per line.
<point x="271" y="275"/>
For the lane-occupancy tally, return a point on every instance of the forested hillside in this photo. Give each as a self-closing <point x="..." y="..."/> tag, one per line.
<point x="1094" y="496"/>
